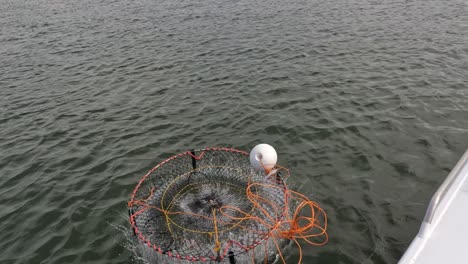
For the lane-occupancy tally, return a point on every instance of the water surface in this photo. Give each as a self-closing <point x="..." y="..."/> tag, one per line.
<point x="365" y="101"/>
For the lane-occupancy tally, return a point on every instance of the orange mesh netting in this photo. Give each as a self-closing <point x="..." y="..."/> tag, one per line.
<point x="211" y="206"/>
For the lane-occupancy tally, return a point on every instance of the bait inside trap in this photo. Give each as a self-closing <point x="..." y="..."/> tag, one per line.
<point x="211" y="206"/>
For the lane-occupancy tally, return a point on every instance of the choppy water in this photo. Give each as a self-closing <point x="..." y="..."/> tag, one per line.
<point x="365" y="101"/>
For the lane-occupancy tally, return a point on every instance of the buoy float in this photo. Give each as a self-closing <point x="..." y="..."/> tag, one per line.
<point x="263" y="157"/>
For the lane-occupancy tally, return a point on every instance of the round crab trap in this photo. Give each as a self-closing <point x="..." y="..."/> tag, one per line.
<point x="212" y="206"/>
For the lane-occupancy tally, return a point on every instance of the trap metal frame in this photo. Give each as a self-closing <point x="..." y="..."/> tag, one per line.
<point x="202" y="206"/>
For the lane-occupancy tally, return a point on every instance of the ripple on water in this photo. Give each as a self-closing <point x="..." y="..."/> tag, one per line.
<point x="365" y="102"/>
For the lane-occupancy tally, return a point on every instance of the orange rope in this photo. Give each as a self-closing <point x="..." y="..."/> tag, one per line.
<point x="286" y="223"/>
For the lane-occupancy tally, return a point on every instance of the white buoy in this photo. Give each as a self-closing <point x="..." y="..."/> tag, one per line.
<point x="263" y="157"/>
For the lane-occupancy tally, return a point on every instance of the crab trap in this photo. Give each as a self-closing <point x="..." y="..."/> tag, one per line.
<point x="215" y="206"/>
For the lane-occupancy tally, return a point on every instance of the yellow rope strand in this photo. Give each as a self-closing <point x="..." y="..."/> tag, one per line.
<point x="218" y="244"/>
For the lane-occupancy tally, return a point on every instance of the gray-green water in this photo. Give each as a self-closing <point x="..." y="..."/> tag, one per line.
<point x="365" y="101"/>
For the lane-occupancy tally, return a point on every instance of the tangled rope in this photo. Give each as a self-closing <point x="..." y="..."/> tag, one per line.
<point x="293" y="224"/>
